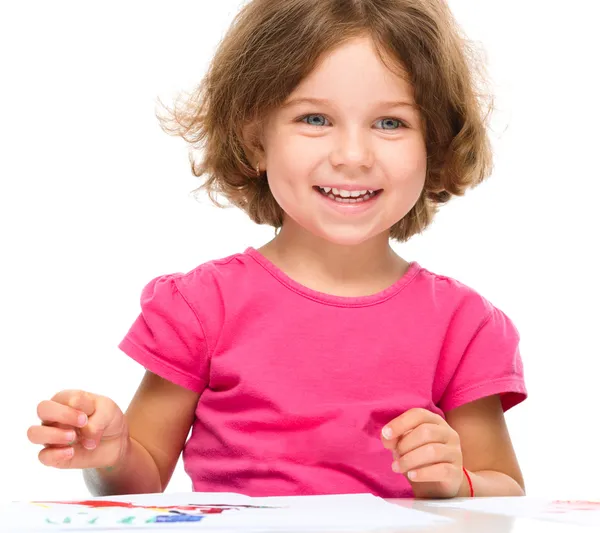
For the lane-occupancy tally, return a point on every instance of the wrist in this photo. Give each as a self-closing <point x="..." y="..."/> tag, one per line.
<point x="466" y="487"/>
<point x="122" y="458"/>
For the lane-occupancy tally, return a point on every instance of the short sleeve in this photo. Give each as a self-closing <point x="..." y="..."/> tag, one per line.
<point x="167" y="337"/>
<point x="490" y="364"/>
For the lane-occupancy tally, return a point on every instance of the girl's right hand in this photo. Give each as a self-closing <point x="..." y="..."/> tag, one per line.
<point x="80" y="430"/>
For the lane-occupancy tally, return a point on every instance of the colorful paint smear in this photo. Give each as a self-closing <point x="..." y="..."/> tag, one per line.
<point x="165" y="514"/>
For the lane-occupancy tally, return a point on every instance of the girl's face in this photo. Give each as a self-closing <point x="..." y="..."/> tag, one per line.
<point x="345" y="155"/>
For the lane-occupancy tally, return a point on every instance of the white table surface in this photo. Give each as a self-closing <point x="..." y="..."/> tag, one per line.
<point x="464" y="521"/>
<point x="461" y="519"/>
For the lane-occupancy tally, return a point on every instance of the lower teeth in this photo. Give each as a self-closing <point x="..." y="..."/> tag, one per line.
<point x="350" y="200"/>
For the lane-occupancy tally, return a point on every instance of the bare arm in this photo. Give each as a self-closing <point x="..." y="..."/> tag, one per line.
<point x="159" y="418"/>
<point x="488" y="453"/>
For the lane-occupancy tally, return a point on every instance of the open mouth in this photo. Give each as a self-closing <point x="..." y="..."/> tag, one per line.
<point x="348" y="197"/>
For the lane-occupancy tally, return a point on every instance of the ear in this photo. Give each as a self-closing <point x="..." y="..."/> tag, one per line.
<point x="253" y="144"/>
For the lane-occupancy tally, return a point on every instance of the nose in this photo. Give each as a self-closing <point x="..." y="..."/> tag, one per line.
<point x="352" y="149"/>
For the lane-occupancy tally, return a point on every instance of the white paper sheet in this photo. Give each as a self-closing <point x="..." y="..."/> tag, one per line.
<point x="203" y="511"/>
<point x="579" y="512"/>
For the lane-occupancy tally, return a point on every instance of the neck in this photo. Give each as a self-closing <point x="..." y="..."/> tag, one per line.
<point x="357" y="270"/>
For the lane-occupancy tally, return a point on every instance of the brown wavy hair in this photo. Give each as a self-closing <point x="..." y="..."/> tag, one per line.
<point x="272" y="45"/>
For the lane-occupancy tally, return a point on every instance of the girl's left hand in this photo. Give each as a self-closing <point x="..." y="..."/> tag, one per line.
<point x="427" y="450"/>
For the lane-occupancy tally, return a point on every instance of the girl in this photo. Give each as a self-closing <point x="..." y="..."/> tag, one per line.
<point x="322" y="362"/>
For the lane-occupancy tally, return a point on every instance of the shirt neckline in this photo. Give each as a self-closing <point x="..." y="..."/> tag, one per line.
<point x="331" y="299"/>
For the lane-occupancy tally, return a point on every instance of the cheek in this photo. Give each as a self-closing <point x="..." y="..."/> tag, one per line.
<point x="286" y="171"/>
<point x="290" y="164"/>
<point x="278" y="152"/>
<point x="407" y="165"/>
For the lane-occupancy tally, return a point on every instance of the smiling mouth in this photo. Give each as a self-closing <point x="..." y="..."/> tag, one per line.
<point x="348" y="197"/>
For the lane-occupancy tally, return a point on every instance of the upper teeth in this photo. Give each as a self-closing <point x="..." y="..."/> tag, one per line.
<point x="346" y="194"/>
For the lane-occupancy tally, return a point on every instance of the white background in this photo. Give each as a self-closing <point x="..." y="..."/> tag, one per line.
<point x="95" y="202"/>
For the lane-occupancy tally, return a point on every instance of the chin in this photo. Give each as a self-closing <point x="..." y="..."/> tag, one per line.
<point x="350" y="237"/>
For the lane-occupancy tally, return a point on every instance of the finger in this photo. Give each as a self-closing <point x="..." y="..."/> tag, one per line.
<point x="392" y="443"/>
<point x="51" y="412"/>
<point x="389" y="443"/>
<point x="51" y="435"/>
<point x="57" y="457"/>
<point x="438" y="473"/>
<point x="422" y="435"/>
<point x="407" y="422"/>
<point x="77" y="399"/>
<point x="429" y="454"/>
<point x="75" y="457"/>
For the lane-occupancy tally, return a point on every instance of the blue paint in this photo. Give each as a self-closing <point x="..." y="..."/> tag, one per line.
<point x="177" y="518"/>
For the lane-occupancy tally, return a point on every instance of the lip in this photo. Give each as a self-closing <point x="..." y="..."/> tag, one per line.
<point x="349" y="187"/>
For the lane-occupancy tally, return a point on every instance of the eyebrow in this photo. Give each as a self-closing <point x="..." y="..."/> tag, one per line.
<point x="320" y="101"/>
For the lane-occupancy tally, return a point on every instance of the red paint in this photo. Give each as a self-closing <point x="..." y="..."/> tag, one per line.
<point x="206" y="509"/>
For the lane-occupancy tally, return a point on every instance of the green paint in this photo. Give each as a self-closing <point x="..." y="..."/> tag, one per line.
<point x="128" y="520"/>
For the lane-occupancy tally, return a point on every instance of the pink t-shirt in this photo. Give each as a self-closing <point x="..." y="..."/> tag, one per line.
<point x="296" y="385"/>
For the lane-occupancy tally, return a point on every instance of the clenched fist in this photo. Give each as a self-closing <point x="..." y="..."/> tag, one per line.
<point x="427" y="450"/>
<point x="80" y="430"/>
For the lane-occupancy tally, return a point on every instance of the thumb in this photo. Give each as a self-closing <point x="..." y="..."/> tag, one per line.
<point x="99" y="422"/>
<point x="82" y="401"/>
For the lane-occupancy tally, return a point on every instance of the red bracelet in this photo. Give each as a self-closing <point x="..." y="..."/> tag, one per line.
<point x="470" y="482"/>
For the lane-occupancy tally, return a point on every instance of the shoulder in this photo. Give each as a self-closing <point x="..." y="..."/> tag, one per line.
<point x="457" y="304"/>
<point x="479" y="352"/>
<point x="206" y="290"/>
<point x="196" y="300"/>
<point x="449" y="291"/>
<point x="208" y="276"/>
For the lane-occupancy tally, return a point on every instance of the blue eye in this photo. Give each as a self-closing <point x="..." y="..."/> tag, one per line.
<point x="390" y="123"/>
<point x="321" y="120"/>
<point x="310" y="122"/>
